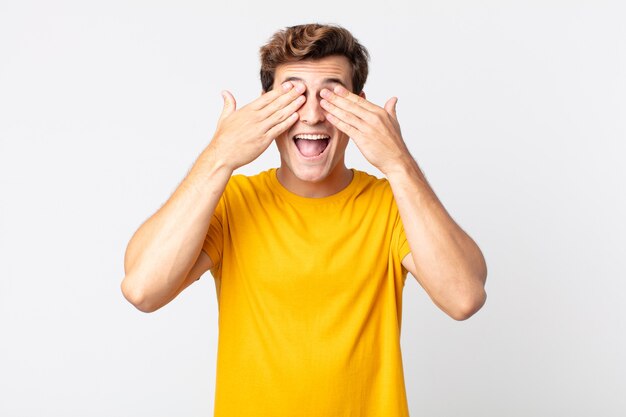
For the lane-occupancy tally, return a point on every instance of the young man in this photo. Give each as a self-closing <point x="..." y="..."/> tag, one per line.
<point x="309" y="259"/>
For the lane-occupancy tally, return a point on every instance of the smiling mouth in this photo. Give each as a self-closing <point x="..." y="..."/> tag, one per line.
<point x="311" y="145"/>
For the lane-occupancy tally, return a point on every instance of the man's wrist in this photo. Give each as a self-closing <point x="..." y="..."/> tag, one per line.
<point x="207" y="170"/>
<point x="406" y="174"/>
<point x="403" y="168"/>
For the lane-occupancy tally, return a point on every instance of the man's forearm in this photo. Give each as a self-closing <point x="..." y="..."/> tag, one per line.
<point x="163" y="250"/>
<point x="448" y="263"/>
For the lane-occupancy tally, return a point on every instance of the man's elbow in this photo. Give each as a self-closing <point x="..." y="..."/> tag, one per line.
<point x="137" y="298"/>
<point x="469" y="306"/>
<point x="474" y="297"/>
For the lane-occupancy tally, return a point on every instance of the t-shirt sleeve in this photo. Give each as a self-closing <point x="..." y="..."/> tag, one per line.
<point x="403" y="244"/>
<point x="400" y="245"/>
<point x="214" y="239"/>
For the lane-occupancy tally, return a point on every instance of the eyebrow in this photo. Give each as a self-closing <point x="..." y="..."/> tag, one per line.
<point x="325" y="81"/>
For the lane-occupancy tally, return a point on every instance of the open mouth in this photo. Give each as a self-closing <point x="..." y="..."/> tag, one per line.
<point x="311" y="146"/>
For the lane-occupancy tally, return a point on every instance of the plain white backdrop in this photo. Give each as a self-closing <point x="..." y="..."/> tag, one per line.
<point x="515" y="110"/>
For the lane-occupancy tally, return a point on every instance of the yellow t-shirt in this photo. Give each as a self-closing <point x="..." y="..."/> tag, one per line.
<point x="310" y="300"/>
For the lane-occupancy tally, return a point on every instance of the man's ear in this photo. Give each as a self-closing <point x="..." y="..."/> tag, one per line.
<point x="362" y="94"/>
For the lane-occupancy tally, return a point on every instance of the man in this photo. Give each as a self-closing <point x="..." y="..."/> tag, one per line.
<point x="309" y="259"/>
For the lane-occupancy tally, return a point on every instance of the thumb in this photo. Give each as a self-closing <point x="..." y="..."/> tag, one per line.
<point x="230" y="105"/>
<point x="390" y="106"/>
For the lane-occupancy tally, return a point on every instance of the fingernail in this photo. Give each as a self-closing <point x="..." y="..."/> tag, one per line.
<point x="287" y="86"/>
<point x="325" y="93"/>
<point x="340" y="90"/>
<point x="300" y="88"/>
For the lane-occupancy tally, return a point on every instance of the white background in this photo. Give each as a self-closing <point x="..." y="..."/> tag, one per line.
<point x="515" y="110"/>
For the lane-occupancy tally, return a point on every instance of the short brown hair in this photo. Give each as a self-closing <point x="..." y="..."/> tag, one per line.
<point x="313" y="41"/>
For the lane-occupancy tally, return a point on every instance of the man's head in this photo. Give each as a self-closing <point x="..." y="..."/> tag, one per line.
<point x="318" y="56"/>
<point x="313" y="41"/>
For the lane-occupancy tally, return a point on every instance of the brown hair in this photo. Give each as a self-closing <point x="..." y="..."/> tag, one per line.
<point x="313" y="41"/>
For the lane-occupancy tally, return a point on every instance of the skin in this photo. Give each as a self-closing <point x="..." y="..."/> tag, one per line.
<point x="328" y="175"/>
<point x="444" y="259"/>
<point x="164" y="256"/>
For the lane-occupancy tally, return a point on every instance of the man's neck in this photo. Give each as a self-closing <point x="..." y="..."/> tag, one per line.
<point x="336" y="181"/>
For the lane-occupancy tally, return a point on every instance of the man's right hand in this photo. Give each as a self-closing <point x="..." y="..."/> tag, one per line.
<point x="243" y="135"/>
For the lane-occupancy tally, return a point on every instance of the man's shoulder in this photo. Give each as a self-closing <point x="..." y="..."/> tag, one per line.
<point x="370" y="183"/>
<point x="370" y="178"/>
<point x="244" y="181"/>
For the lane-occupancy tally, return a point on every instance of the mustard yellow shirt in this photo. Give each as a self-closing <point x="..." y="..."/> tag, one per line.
<point x="309" y="299"/>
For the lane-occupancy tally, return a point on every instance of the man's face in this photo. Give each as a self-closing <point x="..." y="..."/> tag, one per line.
<point x="303" y="154"/>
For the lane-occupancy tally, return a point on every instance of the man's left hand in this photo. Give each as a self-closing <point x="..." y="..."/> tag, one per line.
<point x="375" y="130"/>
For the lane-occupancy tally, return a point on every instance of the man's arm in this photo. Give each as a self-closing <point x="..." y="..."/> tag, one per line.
<point x="164" y="249"/>
<point x="444" y="259"/>
<point x="163" y="256"/>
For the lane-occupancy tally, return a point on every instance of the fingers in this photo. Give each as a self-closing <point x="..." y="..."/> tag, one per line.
<point x="285" y="112"/>
<point x="341" y="114"/>
<point x="390" y="106"/>
<point x="350" y="104"/>
<point x="230" y="105"/>
<point x="270" y="96"/>
<point x="342" y="93"/>
<point x="281" y="127"/>
<point x="284" y="100"/>
<point x="346" y="128"/>
<point x="355" y="111"/>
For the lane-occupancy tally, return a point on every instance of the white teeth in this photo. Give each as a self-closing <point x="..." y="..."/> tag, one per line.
<point x="312" y="137"/>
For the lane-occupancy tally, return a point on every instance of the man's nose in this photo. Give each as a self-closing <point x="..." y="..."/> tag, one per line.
<point x="311" y="112"/>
